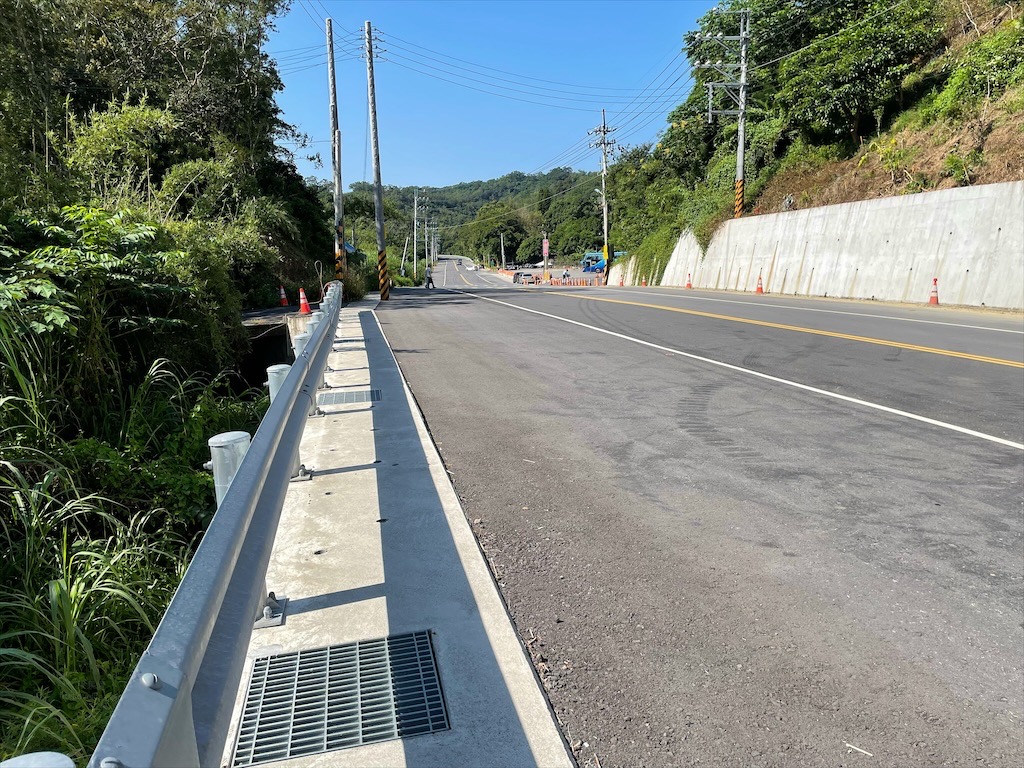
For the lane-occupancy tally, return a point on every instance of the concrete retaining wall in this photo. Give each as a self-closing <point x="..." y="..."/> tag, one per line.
<point x="970" y="238"/>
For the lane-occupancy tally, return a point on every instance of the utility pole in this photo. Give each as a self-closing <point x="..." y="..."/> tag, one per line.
<point x="735" y="89"/>
<point x="426" y="240"/>
<point x="544" y="252"/>
<point x="340" y="256"/>
<point x="501" y="239"/>
<point x="383" y="280"/>
<point x="605" y="144"/>
<point x="415" y="224"/>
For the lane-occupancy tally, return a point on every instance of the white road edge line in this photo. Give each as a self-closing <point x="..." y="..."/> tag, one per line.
<point x="815" y="309"/>
<point x="765" y="376"/>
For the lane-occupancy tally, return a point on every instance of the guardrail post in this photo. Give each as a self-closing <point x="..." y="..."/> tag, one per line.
<point x="226" y="453"/>
<point x="299" y="343"/>
<point x="276" y="375"/>
<point x="39" y="760"/>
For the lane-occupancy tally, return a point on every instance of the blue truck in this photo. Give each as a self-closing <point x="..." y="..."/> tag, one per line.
<point x="593" y="261"/>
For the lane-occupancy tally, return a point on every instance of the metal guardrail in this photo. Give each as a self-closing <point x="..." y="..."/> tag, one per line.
<point x="176" y="709"/>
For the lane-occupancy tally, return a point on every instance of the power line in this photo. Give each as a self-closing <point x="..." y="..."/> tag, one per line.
<point x="312" y="18"/>
<point x="293" y="50"/>
<point x="490" y="93"/>
<point x="495" y="81"/>
<point x="502" y="71"/>
<point x="576" y="152"/>
<point x="551" y="101"/>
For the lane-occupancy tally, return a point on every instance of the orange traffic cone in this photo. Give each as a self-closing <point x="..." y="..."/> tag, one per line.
<point x="621" y="278"/>
<point x="934" y="298"/>
<point x="643" y="282"/>
<point x="284" y="297"/>
<point x="303" y="303"/>
<point x="688" y="283"/>
<point x="760" y="286"/>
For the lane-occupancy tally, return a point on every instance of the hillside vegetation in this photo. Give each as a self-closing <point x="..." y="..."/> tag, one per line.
<point x="143" y="204"/>
<point x="849" y="99"/>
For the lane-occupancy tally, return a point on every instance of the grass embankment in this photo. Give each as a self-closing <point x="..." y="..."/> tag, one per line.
<point x="86" y="578"/>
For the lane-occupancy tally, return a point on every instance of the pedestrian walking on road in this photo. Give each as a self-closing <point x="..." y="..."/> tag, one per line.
<point x="565" y="274"/>
<point x="428" y="274"/>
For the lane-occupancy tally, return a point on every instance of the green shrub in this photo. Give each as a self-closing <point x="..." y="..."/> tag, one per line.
<point x="961" y="167"/>
<point x="651" y="257"/>
<point x="986" y="68"/>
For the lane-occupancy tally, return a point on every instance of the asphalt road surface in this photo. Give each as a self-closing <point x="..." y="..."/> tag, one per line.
<point x="740" y="530"/>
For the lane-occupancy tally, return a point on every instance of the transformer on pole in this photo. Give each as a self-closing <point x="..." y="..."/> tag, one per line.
<point x="733" y="68"/>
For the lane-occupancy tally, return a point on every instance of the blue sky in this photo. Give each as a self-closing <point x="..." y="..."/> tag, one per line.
<point x="527" y="78"/>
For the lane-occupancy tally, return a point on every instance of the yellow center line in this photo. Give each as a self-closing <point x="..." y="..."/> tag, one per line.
<point x="815" y="331"/>
<point x="463" y="278"/>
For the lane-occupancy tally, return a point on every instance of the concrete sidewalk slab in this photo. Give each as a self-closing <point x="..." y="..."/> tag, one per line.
<point x="377" y="544"/>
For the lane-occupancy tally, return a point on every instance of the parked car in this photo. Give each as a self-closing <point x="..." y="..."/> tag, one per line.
<point x="529" y="278"/>
<point x="517" y="276"/>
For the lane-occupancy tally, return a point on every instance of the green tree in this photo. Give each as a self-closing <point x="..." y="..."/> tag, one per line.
<point x="833" y="87"/>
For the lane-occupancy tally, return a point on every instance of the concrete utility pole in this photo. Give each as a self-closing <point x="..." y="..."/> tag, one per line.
<point x="605" y="144"/>
<point x="426" y="240"/>
<point x="501" y="240"/>
<point x="735" y="89"/>
<point x="340" y="256"/>
<point x="544" y="253"/>
<point x="383" y="279"/>
<point x="415" y="222"/>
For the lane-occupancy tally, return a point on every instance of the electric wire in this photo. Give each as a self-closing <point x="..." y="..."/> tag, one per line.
<point x="327" y="15"/>
<point x="575" y="153"/>
<point x="393" y="56"/>
<point x="502" y="71"/>
<point x="312" y="18"/>
<point x="492" y="93"/>
<point x="495" y="81"/>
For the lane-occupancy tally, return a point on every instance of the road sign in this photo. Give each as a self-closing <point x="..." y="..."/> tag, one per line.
<point x="545" y="247"/>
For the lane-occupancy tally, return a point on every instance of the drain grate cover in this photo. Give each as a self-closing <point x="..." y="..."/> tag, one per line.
<point x="320" y="700"/>
<point x="345" y="398"/>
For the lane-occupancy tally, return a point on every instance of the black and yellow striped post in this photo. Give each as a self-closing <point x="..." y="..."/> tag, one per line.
<point x="383" y="279"/>
<point x="737" y="209"/>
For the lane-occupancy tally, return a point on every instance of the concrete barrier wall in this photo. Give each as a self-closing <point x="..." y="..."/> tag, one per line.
<point x="970" y="238"/>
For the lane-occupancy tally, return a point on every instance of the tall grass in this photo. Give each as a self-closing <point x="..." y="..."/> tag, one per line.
<point x="95" y="529"/>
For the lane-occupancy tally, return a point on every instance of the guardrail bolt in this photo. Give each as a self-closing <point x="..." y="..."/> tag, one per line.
<point x="111" y="762"/>
<point x="152" y="681"/>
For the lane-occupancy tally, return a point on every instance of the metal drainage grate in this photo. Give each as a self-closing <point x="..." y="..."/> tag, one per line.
<point x="345" y="398"/>
<point x="314" y="701"/>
